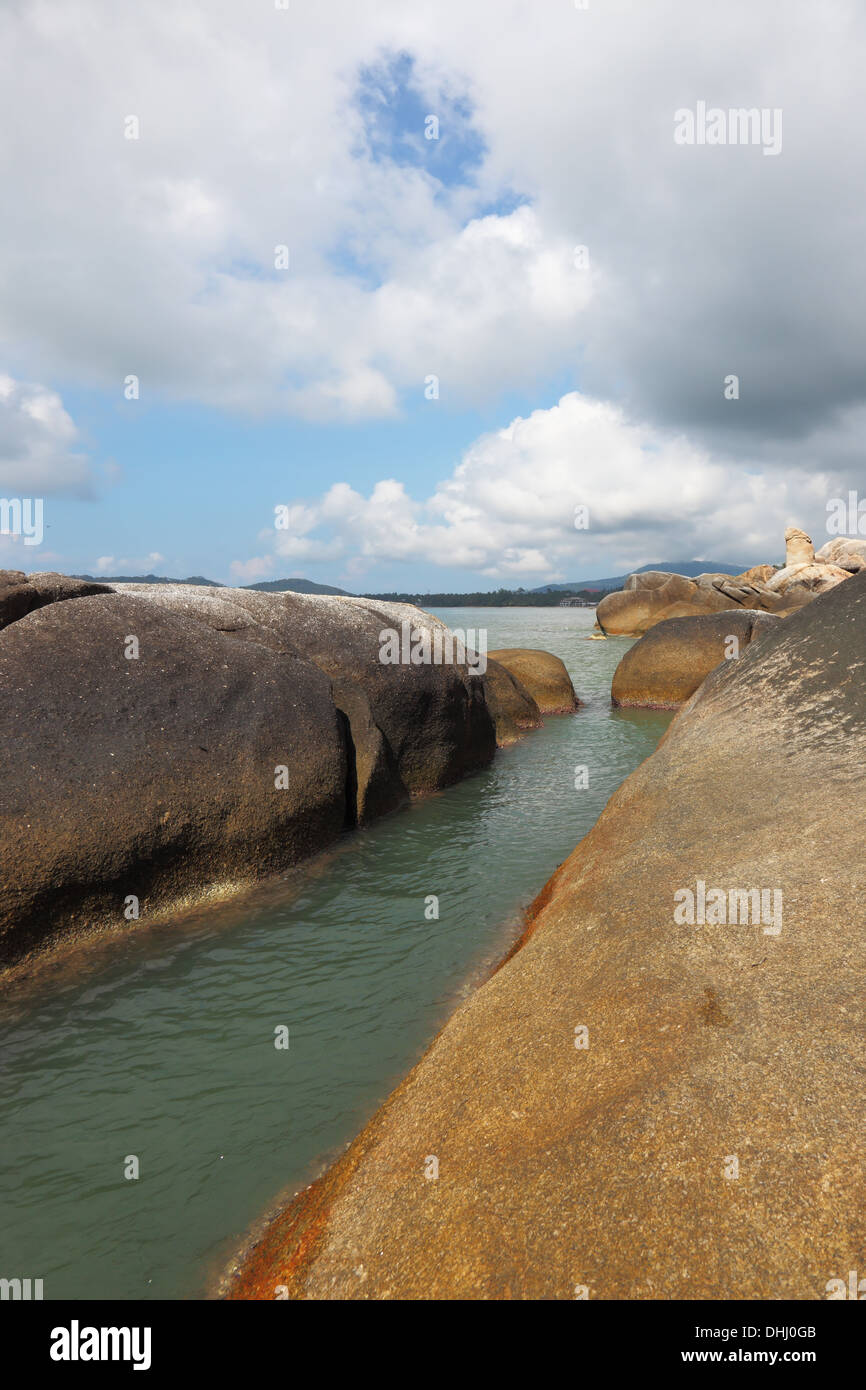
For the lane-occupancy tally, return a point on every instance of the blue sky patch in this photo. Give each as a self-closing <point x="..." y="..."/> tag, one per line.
<point x="407" y="127"/>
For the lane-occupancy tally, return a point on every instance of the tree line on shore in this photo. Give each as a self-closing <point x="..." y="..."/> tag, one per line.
<point x="495" y="598"/>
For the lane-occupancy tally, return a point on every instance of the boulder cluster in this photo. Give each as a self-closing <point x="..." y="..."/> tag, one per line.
<point x="167" y="744"/>
<point x="633" y="1107"/>
<point x="656" y="595"/>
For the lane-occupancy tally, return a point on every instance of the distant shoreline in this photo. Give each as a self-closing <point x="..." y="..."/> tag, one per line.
<point x="558" y="600"/>
<point x="497" y="598"/>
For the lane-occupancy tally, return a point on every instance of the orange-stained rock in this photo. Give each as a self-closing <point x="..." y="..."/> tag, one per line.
<point x="758" y="574"/>
<point x="707" y="1143"/>
<point x="654" y="596"/>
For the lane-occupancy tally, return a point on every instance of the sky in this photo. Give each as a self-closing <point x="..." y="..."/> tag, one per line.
<point x="406" y="296"/>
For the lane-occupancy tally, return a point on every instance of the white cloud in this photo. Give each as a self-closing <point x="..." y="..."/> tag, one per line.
<point x="38" y="443"/>
<point x="508" y="510"/>
<point x="248" y="571"/>
<point x="126" y="564"/>
<point x="156" y="256"/>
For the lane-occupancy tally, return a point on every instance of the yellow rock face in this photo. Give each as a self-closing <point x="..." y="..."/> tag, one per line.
<point x="632" y="1108"/>
<point x="542" y="674"/>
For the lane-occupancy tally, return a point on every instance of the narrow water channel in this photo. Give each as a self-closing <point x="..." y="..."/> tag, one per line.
<point x="161" y="1045"/>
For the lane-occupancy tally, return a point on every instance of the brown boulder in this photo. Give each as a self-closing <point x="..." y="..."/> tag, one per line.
<point x="665" y="667"/>
<point x="411" y="727"/>
<point x="542" y="675"/>
<point x="758" y="574"/>
<point x="22" y="593"/>
<point x="513" y="708"/>
<point x="156" y="776"/>
<point x="632" y="611"/>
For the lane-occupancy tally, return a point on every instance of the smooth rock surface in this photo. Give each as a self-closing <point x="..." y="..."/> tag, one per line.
<point x="542" y="674"/>
<point x="416" y="727"/>
<point x="849" y="553"/>
<point x="665" y="667"/>
<point x="513" y="708"/>
<point x="609" y="1167"/>
<point x="654" y="596"/>
<point x="153" y="777"/>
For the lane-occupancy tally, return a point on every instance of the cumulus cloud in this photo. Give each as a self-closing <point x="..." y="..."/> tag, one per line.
<point x="126" y="564"/>
<point x="248" y="571"/>
<point x="156" y="255"/>
<point x="563" y="490"/>
<point x="167" y="264"/>
<point x="410" y="258"/>
<point x="38" y="443"/>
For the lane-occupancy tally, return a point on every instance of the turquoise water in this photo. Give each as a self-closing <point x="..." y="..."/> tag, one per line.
<point x="160" y="1045"/>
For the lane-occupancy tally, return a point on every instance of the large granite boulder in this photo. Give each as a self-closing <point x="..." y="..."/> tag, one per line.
<point x="513" y="709"/>
<point x="816" y="576"/>
<point x="542" y="674"/>
<point x="412" y="726"/>
<point x="665" y="667"/>
<point x="803" y="569"/>
<point x="22" y="593"/>
<point x="635" y="1107"/>
<point x="758" y="574"/>
<point x="655" y="596"/>
<point x="432" y="713"/>
<point x="157" y="776"/>
<point x="846" y="552"/>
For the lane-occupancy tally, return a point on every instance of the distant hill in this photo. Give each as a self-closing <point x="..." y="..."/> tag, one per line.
<point x="145" y="579"/>
<point x="687" y="567"/>
<point x="296" y="586"/>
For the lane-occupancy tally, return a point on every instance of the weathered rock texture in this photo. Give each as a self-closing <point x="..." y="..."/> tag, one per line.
<point x="155" y="775"/>
<point x="22" y="593"/>
<point x="606" y="1167"/>
<point x="152" y="777"/>
<point x="655" y="596"/>
<point x="513" y="708"/>
<point x="799" y="549"/>
<point x="849" y="554"/>
<point x="413" y="728"/>
<point x="758" y="574"/>
<point x="542" y="674"/>
<point x="665" y="667"/>
<point x="816" y="576"/>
